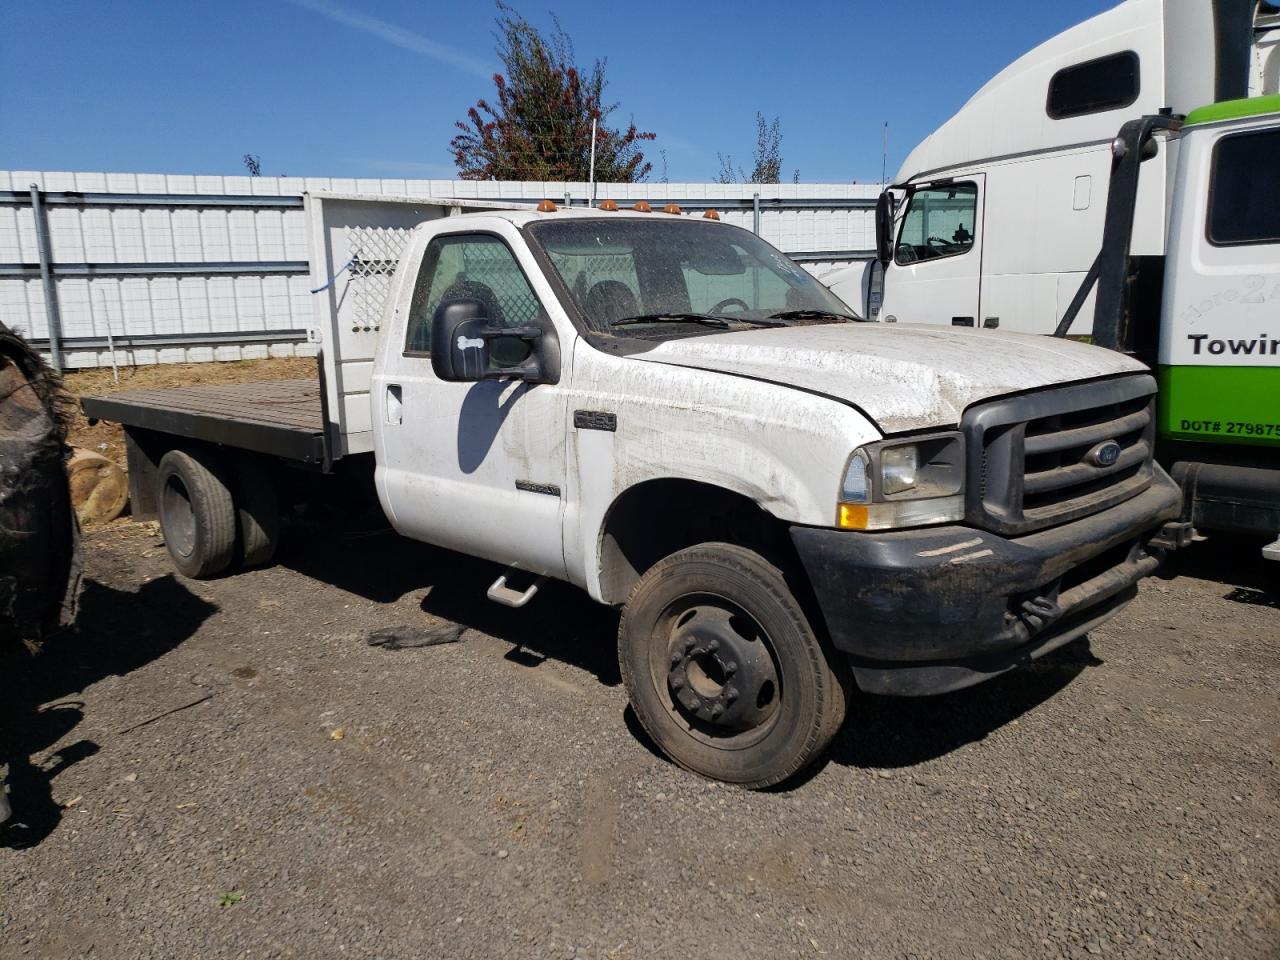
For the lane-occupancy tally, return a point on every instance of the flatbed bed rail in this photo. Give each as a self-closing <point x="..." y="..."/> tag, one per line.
<point x="282" y="418"/>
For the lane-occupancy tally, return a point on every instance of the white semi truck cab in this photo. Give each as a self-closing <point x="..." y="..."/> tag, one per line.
<point x="669" y="413"/>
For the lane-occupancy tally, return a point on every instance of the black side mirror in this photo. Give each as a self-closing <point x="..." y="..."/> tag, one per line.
<point x="884" y="227"/>
<point x="466" y="347"/>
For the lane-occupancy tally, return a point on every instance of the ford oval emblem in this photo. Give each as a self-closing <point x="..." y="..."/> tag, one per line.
<point x="1104" y="454"/>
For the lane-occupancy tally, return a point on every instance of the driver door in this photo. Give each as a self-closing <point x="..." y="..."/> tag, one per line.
<point x="475" y="467"/>
<point x="936" y="272"/>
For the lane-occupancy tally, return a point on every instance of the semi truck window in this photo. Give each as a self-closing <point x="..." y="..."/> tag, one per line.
<point x="476" y="266"/>
<point x="1244" y="190"/>
<point x="939" y="222"/>
<point x="1107" y="83"/>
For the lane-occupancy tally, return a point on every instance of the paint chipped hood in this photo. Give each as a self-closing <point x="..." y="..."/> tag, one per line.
<point x="903" y="376"/>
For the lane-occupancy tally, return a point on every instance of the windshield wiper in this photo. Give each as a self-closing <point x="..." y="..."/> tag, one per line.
<point x="705" y="319"/>
<point x="809" y="314"/>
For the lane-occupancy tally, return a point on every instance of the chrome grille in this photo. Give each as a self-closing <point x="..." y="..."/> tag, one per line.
<point x="1034" y="468"/>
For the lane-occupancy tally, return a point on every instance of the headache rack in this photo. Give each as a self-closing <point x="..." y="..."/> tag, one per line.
<point x="1058" y="454"/>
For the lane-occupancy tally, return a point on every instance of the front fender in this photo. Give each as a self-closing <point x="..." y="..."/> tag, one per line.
<point x="781" y="448"/>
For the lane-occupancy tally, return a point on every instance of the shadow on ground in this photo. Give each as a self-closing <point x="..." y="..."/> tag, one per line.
<point x="560" y="623"/>
<point x="115" y="633"/>
<point x="1233" y="561"/>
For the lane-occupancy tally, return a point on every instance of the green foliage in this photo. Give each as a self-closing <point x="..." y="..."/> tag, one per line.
<point x="230" y="898"/>
<point x="767" y="166"/>
<point x="539" y="127"/>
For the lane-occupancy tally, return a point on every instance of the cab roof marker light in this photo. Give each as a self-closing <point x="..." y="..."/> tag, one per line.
<point x="672" y="208"/>
<point x="711" y="215"/>
<point x="642" y="206"/>
<point x="546" y="206"/>
<point x="610" y="205"/>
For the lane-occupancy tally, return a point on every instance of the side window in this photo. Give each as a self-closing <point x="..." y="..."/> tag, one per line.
<point x="1244" y="189"/>
<point x="939" y="222"/>
<point x="1107" y="83"/>
<point x="469" y="265"/>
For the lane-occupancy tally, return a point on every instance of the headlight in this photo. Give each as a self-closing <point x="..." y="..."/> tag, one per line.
<point x="903" y="483"/>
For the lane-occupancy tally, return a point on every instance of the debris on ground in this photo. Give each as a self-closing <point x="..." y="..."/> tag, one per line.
<point x="405" y="638"/>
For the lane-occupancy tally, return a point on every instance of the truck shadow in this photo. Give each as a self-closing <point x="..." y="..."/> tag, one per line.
<point x="1234" y="561"/>
<point x="115" y="633"/>
<point x="886" y="733"/>
<point x="560" y="623"/>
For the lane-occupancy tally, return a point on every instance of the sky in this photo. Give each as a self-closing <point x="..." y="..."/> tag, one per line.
<point x="373" y="88"/>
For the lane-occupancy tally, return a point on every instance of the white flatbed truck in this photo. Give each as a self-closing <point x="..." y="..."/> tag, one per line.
<point x="667" y="412"/>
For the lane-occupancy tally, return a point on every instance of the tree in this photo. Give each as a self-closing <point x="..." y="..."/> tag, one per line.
<point x="767" y="166"/>
<point x="253" y="164"/>
<point x="539" y="127"/>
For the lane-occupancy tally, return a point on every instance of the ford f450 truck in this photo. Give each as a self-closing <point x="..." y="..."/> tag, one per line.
<point x="670" y="414"/>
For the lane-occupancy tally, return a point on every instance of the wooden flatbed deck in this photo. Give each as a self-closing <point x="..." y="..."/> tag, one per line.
<point x="284" y="418"/>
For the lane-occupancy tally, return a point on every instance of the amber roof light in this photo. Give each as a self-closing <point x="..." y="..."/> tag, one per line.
<point x="671" y="208"/>
<point x="546" y="206"/>
<point x="642" y="206"/>
<point x="610" y="205"/>
<point x="711" y="215"/>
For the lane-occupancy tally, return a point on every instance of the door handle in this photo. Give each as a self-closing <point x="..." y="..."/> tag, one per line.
<point x="395" y="403"/>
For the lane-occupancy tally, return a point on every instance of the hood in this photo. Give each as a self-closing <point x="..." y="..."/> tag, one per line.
<point x="904" y="377"/>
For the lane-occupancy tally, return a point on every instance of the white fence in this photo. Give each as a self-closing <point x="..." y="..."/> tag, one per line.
<point x="173" y="268"/>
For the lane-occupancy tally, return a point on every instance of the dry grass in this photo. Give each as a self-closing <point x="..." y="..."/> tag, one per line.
<point x="108" y="439"/>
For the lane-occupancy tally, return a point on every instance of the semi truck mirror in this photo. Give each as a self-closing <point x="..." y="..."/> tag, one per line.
<point x="884" y="227"/>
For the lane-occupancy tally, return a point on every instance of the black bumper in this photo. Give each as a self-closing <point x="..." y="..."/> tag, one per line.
<point x="926" y="611"/>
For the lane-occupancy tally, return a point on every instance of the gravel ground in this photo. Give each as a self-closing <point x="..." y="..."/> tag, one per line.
<point x="227" y="769"/>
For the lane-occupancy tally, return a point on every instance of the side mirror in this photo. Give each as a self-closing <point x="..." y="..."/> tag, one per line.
<point x="466" y="347"/>
<point x="884" y="227"/>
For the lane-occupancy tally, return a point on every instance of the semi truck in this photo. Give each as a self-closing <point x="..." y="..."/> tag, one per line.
<point x="1022" y="213"/>
<point x="662" y="409"/>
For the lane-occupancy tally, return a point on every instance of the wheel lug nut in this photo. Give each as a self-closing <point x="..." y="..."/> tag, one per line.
<point x="730" y="694"/>
<point x="716" y="711"/>
<point x="731" y="668"/>
<point x="677" y="683"/>
<point x="675" y="660"/>
<point x="713" y="646"/>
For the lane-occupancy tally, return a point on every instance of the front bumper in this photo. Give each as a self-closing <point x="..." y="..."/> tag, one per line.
<point x="940" y="608"/>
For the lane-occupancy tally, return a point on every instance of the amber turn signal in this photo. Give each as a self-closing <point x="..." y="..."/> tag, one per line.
<point x="546" y="206"/>
<point x="852" y="516"/>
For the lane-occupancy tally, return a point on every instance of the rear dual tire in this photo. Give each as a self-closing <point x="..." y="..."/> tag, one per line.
<point x="212" y="515"/>
<point x="724" y="670"/>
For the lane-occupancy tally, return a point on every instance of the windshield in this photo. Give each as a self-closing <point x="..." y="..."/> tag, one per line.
<point x="645" y="278"/>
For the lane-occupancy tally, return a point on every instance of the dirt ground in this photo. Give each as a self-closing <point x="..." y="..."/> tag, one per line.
<point x="228" y="769"/>
<point x="108" y="439"/>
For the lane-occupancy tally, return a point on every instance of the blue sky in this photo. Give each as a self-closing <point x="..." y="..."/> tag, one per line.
<point x="350" y="88"/>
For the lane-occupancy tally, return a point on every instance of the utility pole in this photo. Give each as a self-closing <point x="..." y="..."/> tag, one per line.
<point x="591" y="173"/>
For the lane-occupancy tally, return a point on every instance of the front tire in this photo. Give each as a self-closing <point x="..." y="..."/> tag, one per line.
<point x="723" y="669"/>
